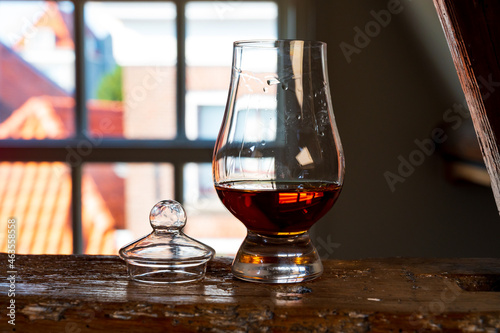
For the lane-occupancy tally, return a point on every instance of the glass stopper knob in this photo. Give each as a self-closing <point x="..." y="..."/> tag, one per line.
<point x="167" y="215"/>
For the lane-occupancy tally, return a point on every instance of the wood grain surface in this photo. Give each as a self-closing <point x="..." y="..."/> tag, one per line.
<point x="472" y="30"/>
<point x="80" y="293"/>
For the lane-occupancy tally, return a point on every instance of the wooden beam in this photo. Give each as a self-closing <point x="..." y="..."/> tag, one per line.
<point x="472" y="30"/>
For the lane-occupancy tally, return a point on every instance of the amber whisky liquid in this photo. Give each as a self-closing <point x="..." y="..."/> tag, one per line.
<point x="278" y="208"/>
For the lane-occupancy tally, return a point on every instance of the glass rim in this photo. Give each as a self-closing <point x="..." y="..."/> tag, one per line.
<point x="275" y="43"/>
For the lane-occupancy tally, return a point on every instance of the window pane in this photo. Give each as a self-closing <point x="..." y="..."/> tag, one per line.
<point x="211" y="29"/>
<point x="131" y="54"/>
<point x="37" y="76"/>
<point x="208" y="220"/>
<point x="116" y="201"/>
<point x="38" y="197"/>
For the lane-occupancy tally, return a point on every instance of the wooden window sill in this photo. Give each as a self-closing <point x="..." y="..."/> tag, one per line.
<point x="79" y="293"/>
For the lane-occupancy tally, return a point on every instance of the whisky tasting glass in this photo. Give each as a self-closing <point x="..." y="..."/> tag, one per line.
<point x="278" y="164"/>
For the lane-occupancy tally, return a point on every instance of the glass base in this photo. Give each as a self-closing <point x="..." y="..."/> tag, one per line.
<point x="162" y="273"/>
<point x="277" y="259"/>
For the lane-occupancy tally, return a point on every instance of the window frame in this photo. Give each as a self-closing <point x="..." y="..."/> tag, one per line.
<point x="295" y="20"/>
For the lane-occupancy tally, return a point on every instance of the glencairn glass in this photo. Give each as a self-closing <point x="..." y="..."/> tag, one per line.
<point x="278" y="164"/>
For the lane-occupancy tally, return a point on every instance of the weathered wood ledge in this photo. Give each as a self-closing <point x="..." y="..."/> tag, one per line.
<point x="80" y="293"/>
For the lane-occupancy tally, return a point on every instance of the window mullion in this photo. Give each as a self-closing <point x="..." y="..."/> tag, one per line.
<point x="80" y="94"/>
<point x="181" y="95"/>
<point x="80" y="126"/>
<point x="179" y="182"/>
<point x="286" y="19"/>
<point x="181" y="70"/>
<point x="76" y="208"/>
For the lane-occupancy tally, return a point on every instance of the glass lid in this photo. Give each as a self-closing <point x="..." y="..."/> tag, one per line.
<point x="167" y="255"/>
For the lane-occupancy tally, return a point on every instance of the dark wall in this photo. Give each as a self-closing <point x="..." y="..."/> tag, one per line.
<point x="388" y="93"/>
